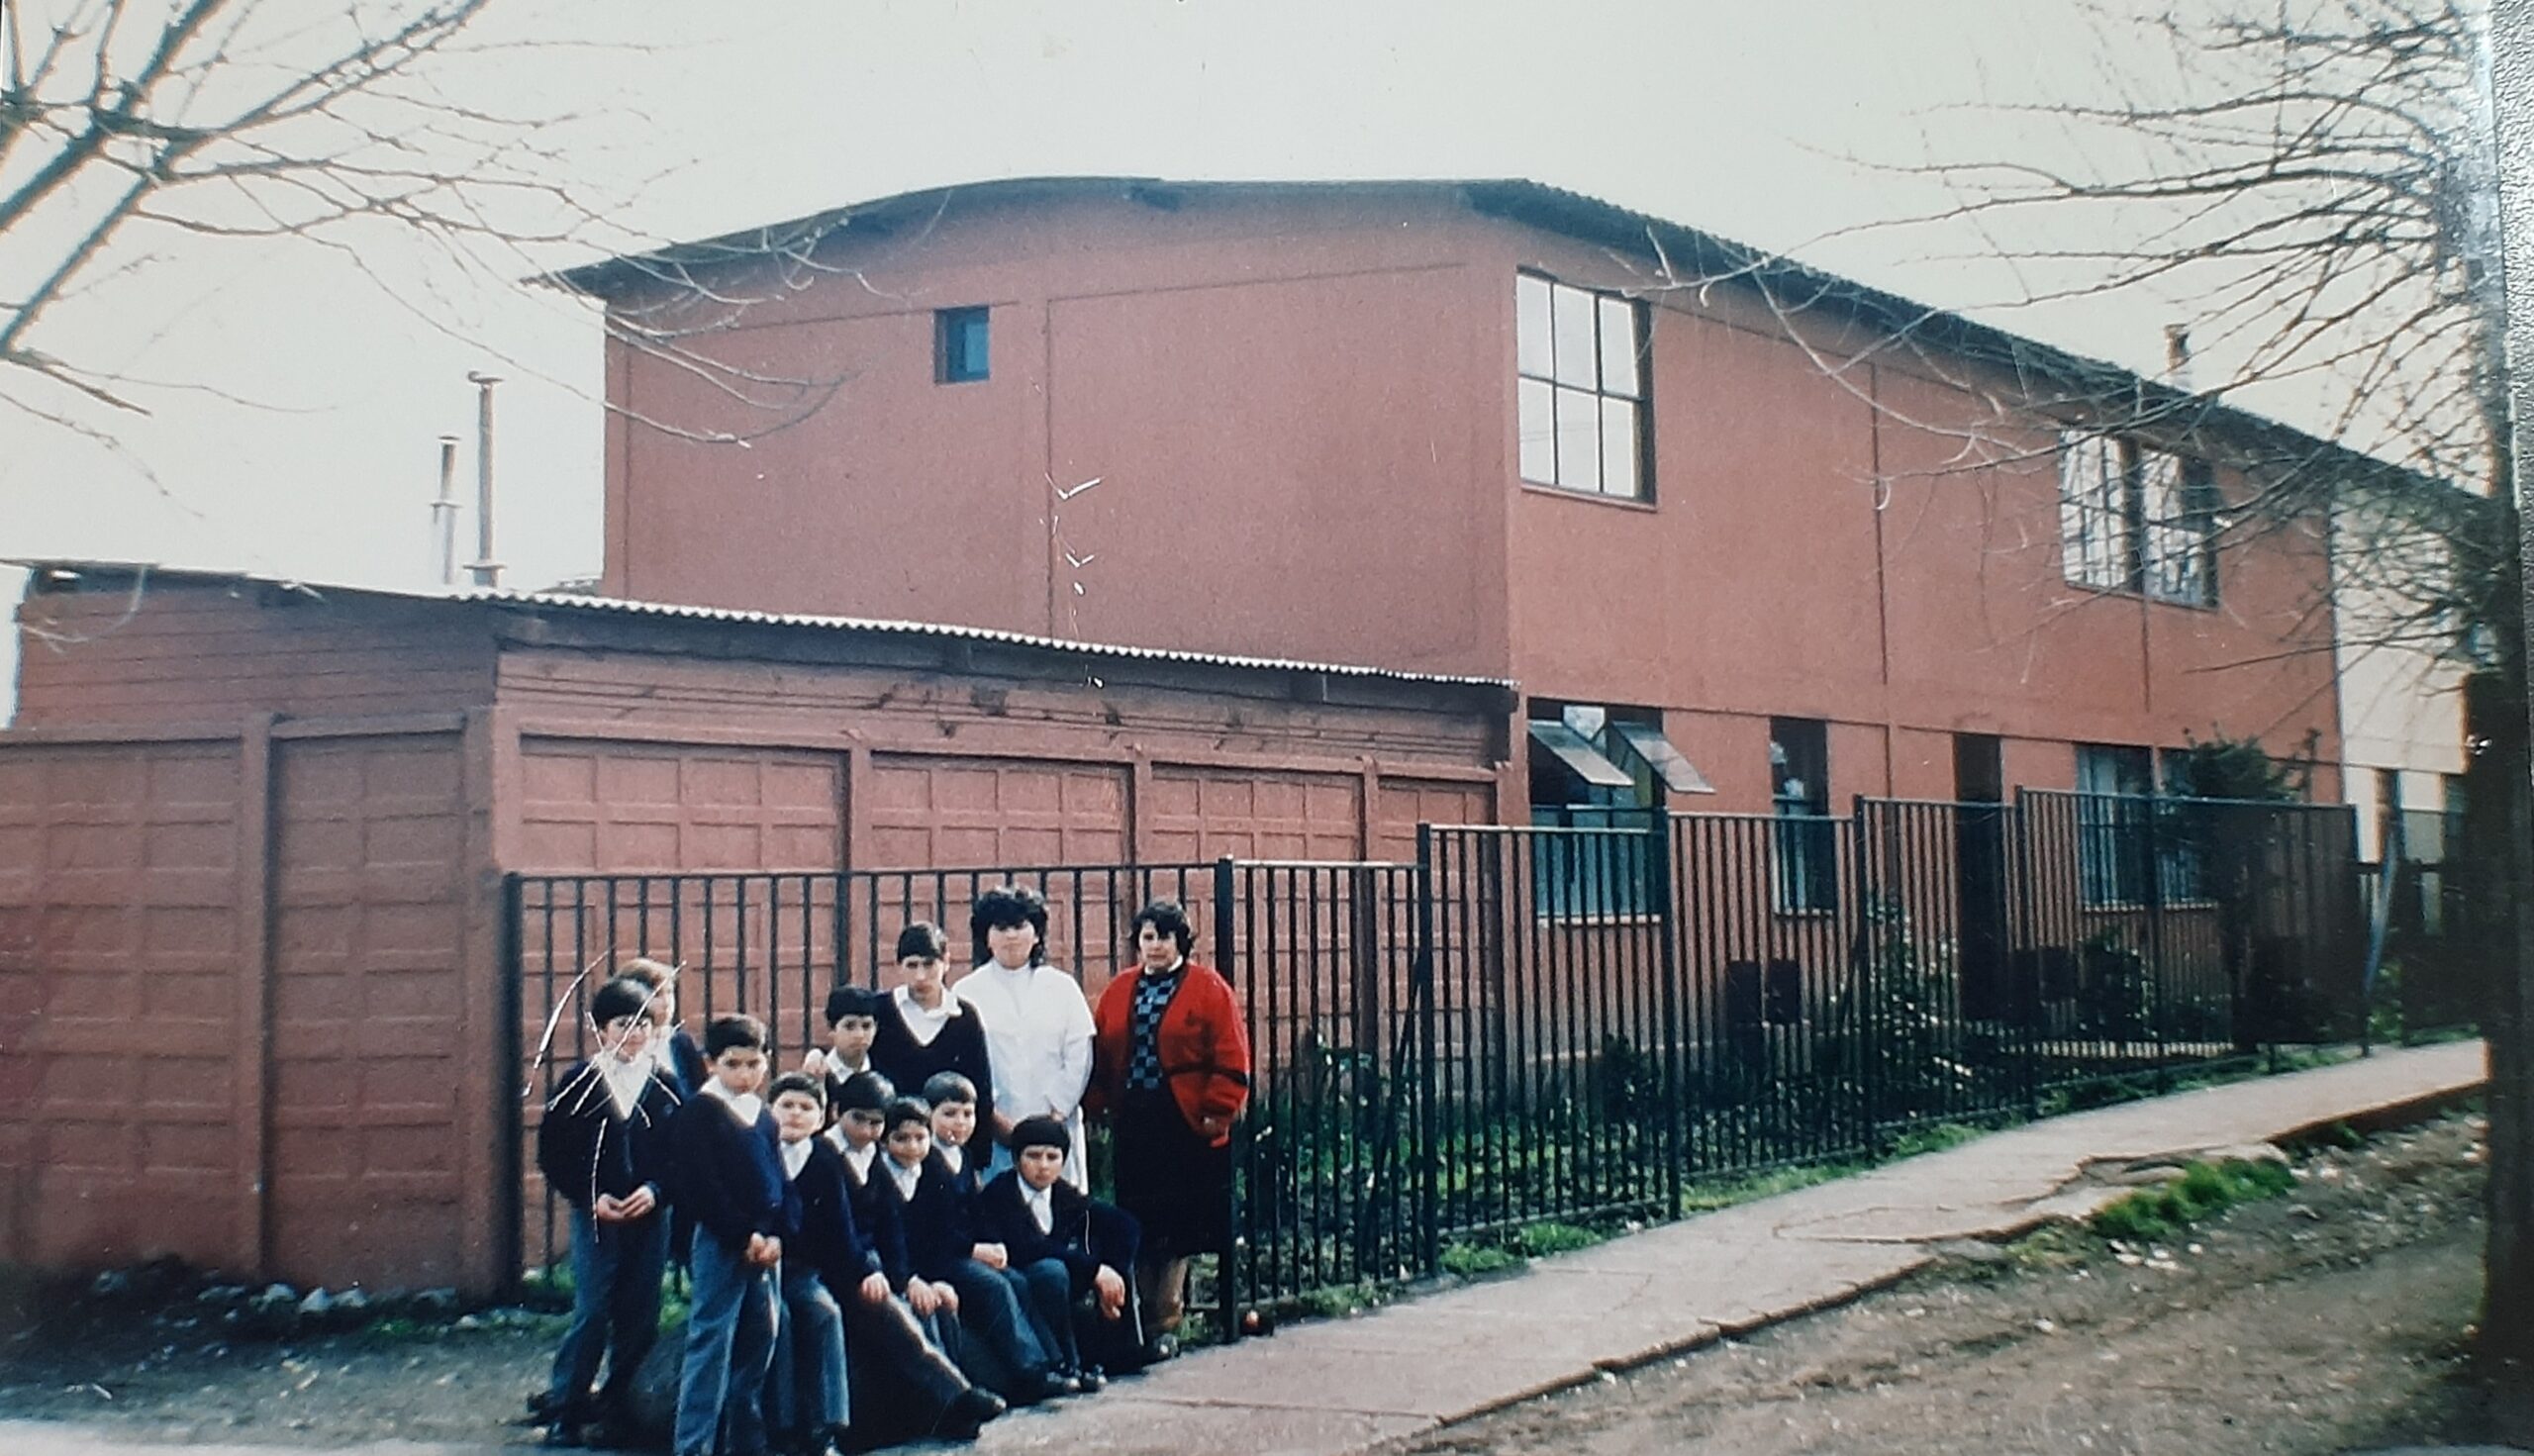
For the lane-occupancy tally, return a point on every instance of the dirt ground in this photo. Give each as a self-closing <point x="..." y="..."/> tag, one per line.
<point x="2329" y="1320"/>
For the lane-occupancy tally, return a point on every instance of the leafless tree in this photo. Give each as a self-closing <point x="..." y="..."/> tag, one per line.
<point x="132" y="128"/>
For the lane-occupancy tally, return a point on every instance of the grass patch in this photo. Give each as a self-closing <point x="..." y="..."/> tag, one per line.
<point x="1724" y="1193"/>
<point x="1936" y="1138"/>
<point x="2204" y="1191"/>
<point x="1474" y="1259"/>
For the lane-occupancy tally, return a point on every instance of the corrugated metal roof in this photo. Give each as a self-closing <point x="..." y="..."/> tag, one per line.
<point x="803" y="620"/>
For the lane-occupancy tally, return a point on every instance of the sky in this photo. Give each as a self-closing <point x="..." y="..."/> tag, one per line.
<point x="303" y="385"/>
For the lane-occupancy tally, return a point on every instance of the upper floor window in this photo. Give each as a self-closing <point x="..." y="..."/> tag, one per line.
<point x="1582" y="390"/>
<point x="2137" y="520"/>
<point x="960" y="346"/>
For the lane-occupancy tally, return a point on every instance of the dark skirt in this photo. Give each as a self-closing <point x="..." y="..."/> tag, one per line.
<point x="1176" y="1184"/>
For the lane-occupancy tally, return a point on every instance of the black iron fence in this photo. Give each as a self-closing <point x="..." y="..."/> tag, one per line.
<point x="1576" y="1023"/>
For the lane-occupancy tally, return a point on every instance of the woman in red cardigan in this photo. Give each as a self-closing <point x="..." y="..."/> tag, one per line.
<point x="1170" y="1060"/>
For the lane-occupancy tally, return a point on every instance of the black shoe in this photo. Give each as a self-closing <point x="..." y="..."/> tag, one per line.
<point x="564" y="1435"/>
<point x="1163" y="1346"/>
<point x="1042" y="1387"/>
<point x="967" y="1413"/>
<point x="1090" y="1381"/>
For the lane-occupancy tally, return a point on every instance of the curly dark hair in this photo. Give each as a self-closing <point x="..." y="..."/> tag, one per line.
<point x="1002" y="908"/>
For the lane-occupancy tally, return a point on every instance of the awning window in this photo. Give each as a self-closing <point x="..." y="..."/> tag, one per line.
<point x="1675" y="769"/>
<point x="1577" y="754"/>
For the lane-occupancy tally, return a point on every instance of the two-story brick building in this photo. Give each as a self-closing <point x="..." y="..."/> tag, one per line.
<point x="1823" y="540"/>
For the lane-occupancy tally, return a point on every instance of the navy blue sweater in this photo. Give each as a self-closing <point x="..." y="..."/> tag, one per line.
<point x="824" y="1235"/>
<point x="876" y="1215"/>
<point x="728" y="1174"/>
<point x="935" y="1222"/>
<point x="1084" y="1233"/>
<point x="585" y="1149"/>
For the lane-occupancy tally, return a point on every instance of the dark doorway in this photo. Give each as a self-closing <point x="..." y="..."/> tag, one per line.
<point x="1980" y="849"/>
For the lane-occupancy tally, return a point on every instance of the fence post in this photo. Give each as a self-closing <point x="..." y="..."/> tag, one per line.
<point x="1869" y="964"/>
<point x="1430" y="1249"/>
<point x="2156" y="937"/>
<point x="1236" y="1237"/>
<point x="2027" y="1005"/>
<point x="1667" y="927"/>
<point x="510" y="1205"/>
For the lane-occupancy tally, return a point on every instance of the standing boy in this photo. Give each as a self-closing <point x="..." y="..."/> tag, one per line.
<point x="926" y="1031"/>
<point x="604" y="1147"/>
<point x="807" y="1390"/>
<point x="853" y="1021"/>
<point x="729" y="1176"/>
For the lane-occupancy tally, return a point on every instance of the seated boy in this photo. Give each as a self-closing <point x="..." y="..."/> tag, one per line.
<point x="902" y="1385"/>
<point x="806" y="1399"/>
<point x="954" y="1127"/>
<point x="998" y="1345"/>
<point x="853" y="1020"/>
<point x="604" y="1147"/>
<point x="1071" y="1247"/>
<point x="729" y="1174"/>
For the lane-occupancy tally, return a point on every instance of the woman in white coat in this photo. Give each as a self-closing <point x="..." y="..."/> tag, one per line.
<point x="1037" y="1023"/>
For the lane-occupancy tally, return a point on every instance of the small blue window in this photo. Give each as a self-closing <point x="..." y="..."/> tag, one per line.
<point x="959" y="345"/>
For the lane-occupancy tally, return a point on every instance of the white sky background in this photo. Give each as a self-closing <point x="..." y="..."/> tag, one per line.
<point x="1737" y="118"/>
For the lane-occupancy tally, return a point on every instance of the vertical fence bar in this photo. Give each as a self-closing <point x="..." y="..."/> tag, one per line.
<point x="1227" y="1271"/>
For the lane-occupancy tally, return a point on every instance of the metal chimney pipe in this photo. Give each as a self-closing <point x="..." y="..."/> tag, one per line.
<point x="2178" y="356"/>
<point x="487" y="572"/>
<point x="445" y="513"/>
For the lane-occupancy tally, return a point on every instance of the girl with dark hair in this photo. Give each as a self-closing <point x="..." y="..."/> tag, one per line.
<point x="1173" y="1060"/>
<point x="1037" y="1024"/>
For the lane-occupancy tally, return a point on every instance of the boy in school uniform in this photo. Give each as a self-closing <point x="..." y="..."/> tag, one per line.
<point x="902" y="1385"/>
<point x="1071" y="1247"/>
<point x="729" y="1174"/>
<point x="853" y="1023"/>
<point x="806" y="1398"/>
<point x="674" y="1047"/>
<point x="926" y="1030"/>
<point x="604" y="1146"/>
<point x="954" y="1128"/>
<point x="999" y="1344"/>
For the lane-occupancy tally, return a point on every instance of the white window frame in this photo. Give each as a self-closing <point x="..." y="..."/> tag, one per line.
<point x="1581" y="399"/>
<point x="2136" y="518"/>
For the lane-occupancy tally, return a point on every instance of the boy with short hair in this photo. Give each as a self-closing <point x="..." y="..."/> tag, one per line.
<point x="604" y="1147"/>
<point x="807" y="1401"/>
<point x="954" y="1127"/>
<point x="673" y="1046"/>
<point x="902" y="1385"/>
<point x="926" y="1030"/>
<point x="1071" y="1248"/>
<point x="999" y="1344"/>
<point x="853" y="1021"/>
<point x="729" y="1176"/>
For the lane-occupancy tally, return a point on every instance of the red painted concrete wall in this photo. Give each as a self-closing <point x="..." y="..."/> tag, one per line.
<point x="1256" y="392"/>
<point x="1301" y="412"/>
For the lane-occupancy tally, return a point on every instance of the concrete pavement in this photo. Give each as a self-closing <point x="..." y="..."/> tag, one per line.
<point x="1338" y="1386"/>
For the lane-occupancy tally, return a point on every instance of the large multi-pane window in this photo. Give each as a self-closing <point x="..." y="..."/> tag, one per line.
<point x="2137" y="520"/>
<point x="1581" y="358"/>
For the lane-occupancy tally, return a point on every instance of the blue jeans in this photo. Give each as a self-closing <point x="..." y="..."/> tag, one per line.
<point x="1049" y="1286"/>
<point x="730" y="1342"/>
<point x="997" y="1344"/>
<point x="808" y="1383"/>
<point x="615" y="1306"/>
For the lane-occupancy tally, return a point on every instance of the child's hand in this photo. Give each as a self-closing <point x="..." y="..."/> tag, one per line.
<point x="1113" y="1292"/>
<point x="607" y="1208"/>
<point x="816" y="1063"/>
<point x="991" y="1255"/>
<point x="875" y="1289"/>
<point x="637" y="1203"/>
<point x="922" y="1297"/>
<point x="773" y="1250"/>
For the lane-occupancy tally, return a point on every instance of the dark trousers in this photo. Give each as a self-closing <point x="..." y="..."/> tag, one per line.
<point x="730" y="1342"/>
<point x="999" y="1344"/>
<point x="806" y="1389"/>
<point x="902" y="1380"/>
<point x="616" y="1310"/>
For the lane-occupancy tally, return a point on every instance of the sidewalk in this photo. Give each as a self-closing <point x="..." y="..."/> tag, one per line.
<point x="1338" y="1386"/>
<point x="1341" y="1384"/>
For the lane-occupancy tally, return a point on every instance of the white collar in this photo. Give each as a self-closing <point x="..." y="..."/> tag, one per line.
<point x="744" y="1106"/>
<point x="916" y="1014"/>
<point x="903" y="1177"/>
<point x="1042" y="1205"/>
<point x="796" y="1156"/>
<point x="625" y="1081"/>
<point x="955" y="1157"/>
<point x="856" y="1159"/>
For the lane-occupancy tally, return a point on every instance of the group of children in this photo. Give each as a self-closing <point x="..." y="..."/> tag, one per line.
<point x="856" y="1276"/>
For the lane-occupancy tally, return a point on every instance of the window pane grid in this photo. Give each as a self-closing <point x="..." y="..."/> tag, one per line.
<point x="2134" y="519"/>
<point x="1579" y="398"/>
